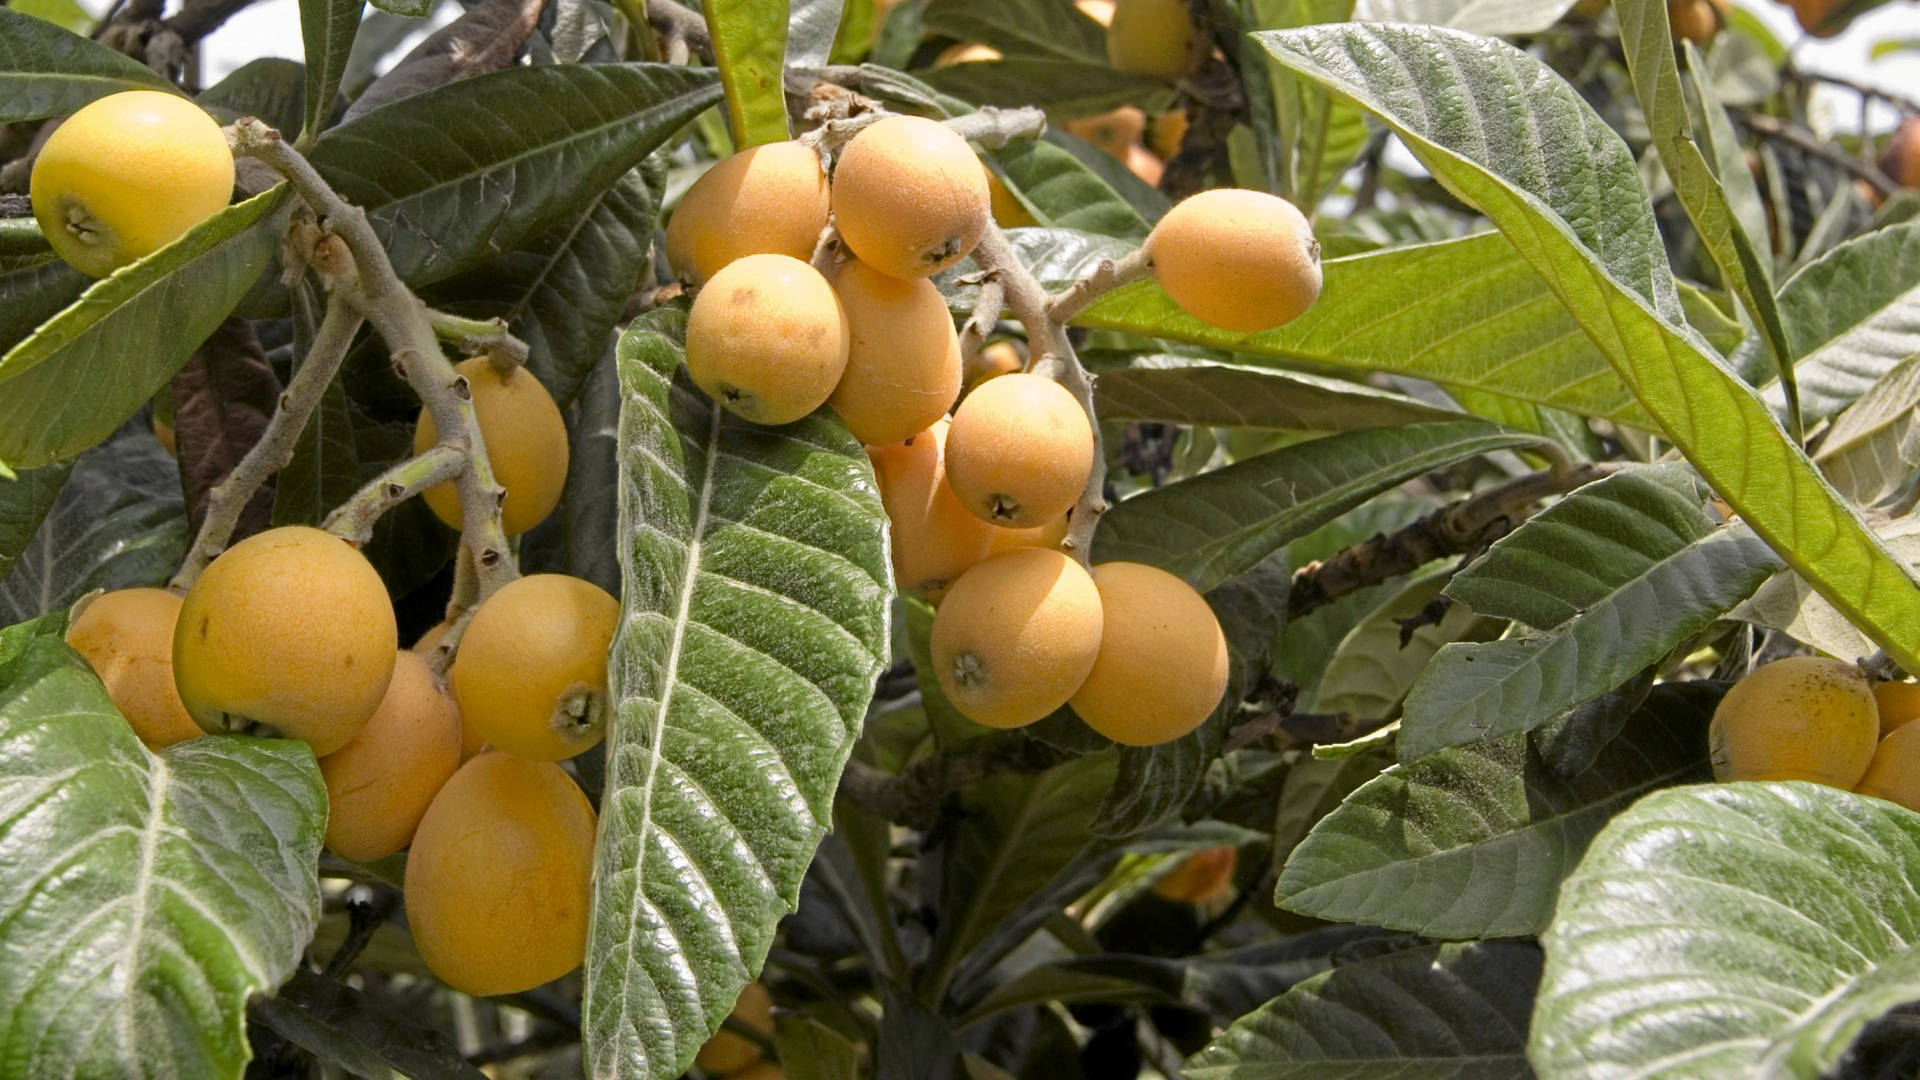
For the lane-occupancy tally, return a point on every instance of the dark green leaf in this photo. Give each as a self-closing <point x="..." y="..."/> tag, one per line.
<point x="344" y="1028"/>
<point x="47" y="71"/>
<point x="33" y="290"/>
<point x="1069" y="87"/>
<point x="455" y="175"/>
<point x="810" y="1050"/>
<point x="1472" y="842"/>
<point x="1019" y="29"/>
<point x="755" y="592"/>
<point x="270" y="88"/>
<point x="1064" y="193"/>
<point x="1731" y="930"/>
<point x="24" y="503"/>
<point x="327" y="29"/>
<point x="1852" y="315"/>
<point x="1175" y="390"/>
<point x="95" y="363"/>
<point x="1210" y="527"/>
<point x="155" y="892"/>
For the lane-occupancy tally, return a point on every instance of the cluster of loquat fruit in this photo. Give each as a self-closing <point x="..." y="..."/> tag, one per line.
<point x="978" y="500"/>
<point x="1818" y="719"/>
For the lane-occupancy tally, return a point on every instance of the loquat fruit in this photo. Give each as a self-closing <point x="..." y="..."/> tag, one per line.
<point x="1698" y="21"/>
<point x="531" y="674"/>
<point x="767" y="339"/>
<point x="1201" y="877"/>
<point x="1162" y="666"/>
<point x="1114" y="131"/>
<point x="935" y="539"/>
<point x="380" y="783"/>
<point x="1019" y="450"/>
<point x="1896" y="703"/>
<point x="727" y="1053"/>
<point x="910" y="197"/>
<point x="290" y="633"/>
<point x="1015" y="636"/>
<point x="127" y="635"/>
<point x="1801" y="718"/>
<point x="1241" y="260"/>
<point x="903" y="356"/>
<point x="127" y="175"/>
<point x="770" y="199"/>
<point x="526" y="440"/>
<point x="1151" y="37"/>
<point x="498" y="876"/>
<point x="1894" y="772"/>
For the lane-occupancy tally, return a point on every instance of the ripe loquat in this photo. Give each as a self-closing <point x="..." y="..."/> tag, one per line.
<point x="903" y="356"/>
<point x="1241" y="260"/>
<point x="380" y="783"/>
<point x="935" y="539"/>
<point x="1015" y="636"/>
<point x="531" y="674"/>
<point x="767" y="339"/>
<point x="1019" y="450"/>
<point x="127" y="635"/>
<point x="910" y="197"/>
<point x="526" y="440"/>
<point x="1162" y="666"/>
<point x="770" y="199"/>
<point x="1801" y="718"/>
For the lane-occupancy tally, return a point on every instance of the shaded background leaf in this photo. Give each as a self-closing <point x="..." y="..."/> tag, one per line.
<point x="222" y="400"/>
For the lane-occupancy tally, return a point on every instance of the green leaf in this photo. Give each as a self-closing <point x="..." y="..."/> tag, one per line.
<point x="66" y="14"/>
<point x="1788" y="604"/>
<point x="94" y="364"/>
<point x="33" y="289"/>
<point x="755" y="591"/>
<point x="1515" y="140"/>
<point x="1641" y="569"/>
<point x="362" y="1035"/>
<point x="327" y="29"/>
<point x="1176" y="390"/>
<point x="1378" y="661"/>
<point x="1063" y="192"/>
<point x="154" y="892"/>
<point x="813" y="26"/>
<point x="1067" y="87"/>
<point x="810" y="1050"/>
<point x="119" y="521"/>
<point x="270" y="88"/>
<point x="1210" y="527"/>
<point x="1434" y="1012"/>
<point x="1017" y="28"/>
<point x="1462" y="313"/>
<point x="1870" y="451"/>
<point x="455" y="175"/>
<point x="1731" y="930"/>
<point x="563" y="291"/>
<point x="750" y="49"/>
<point x="48" y="71"/>
<point x="1647" y="42"/>
<point x="1852" y="316"/>
<point x="1154" y="782"/>
<point x="24" y="503"/>
<point x="590" y="508"/>
<point x="1473" y="841"/>
<point x="1478" y="16"/>
<point x="412" y="9"/>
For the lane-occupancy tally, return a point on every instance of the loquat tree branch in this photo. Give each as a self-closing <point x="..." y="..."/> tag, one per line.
<point x="1110" y="274"/>
<point x="353" y="520"/>
<point x="476" y="336"/>
<point x="404" y="323"/>
<point x="275" y="448"/>
<point x="1806" y="142"/>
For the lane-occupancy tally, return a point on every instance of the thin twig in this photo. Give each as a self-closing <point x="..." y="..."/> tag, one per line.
<point x="988" y="126"/>
<point x="476" y="336"/>
<point x="275" y="448"/>
<point x="1806" y="142"/>
<point x="682" y="26"/>
<point x="401" y="320"/>
<point x="353" y="520"/>
<point x="1899" y="101"/>
<point x="1110" y="274"/>
<point x="987" y="306"/>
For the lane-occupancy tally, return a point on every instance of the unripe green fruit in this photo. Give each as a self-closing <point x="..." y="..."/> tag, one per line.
<point x="531" y="674"/>
<point x="767" y="339"/>
<point x="288" y="633"/>
<point x="768" y="199"/>
<point x="127" y="636"/>
<point x="380" y="783"/>
<point x="910" y="197"/>
<point x="1019" y="451"/>
<point x="1802" y="718"/>
<point x="1163" y="658"/>
<point x="1015" y="636"/>
<point x="1241" y="260"/>
<point x="1151" y="37"/>
<point x="903" y="356"/>
<point x="935" y="539"/>
<point x="127" y="175"/>
<point x="499" y="874"/>
<point x="526" y="440"/>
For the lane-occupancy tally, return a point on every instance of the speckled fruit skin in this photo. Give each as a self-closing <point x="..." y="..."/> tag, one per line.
<point x="1894" y="772"/>
<point x="1163" y="658"/>
<point x="910" y="197"/>
<point x="126" y="176"/>
<point x="770" y="199"/>
<point x="380" y="783"/>
<point x="531" y="674"/>
<point x="1015" y="636"/>
<point x="903" y="356"/>
<point x="498" y="877"/>
<point x="1151" y="37"/>
<point x="1897" y="703"/>
<point x="767" y="339"/>
<point x="1802" y="718"/>
<point x="1019" y="451"/>
<point x="127" y="635"/>
<point x="1240" y="260"/>
<point x="935" y="539"/>
<point x="727" y="1054"/>
<point x="288" y="632"/>
<point x="526" y="441"/>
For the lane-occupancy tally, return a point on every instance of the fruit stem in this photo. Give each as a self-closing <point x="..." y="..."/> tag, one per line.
<point x="403" y="322"/>
<point x="275" y="447"/>
<point x="353" y="520"/>
<point x="476" y="336"/>
<point x="1053" y="357"/>
<point x="1110" y="274"/>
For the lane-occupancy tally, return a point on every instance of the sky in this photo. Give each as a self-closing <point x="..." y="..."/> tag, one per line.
<point x="272" y="28"/>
